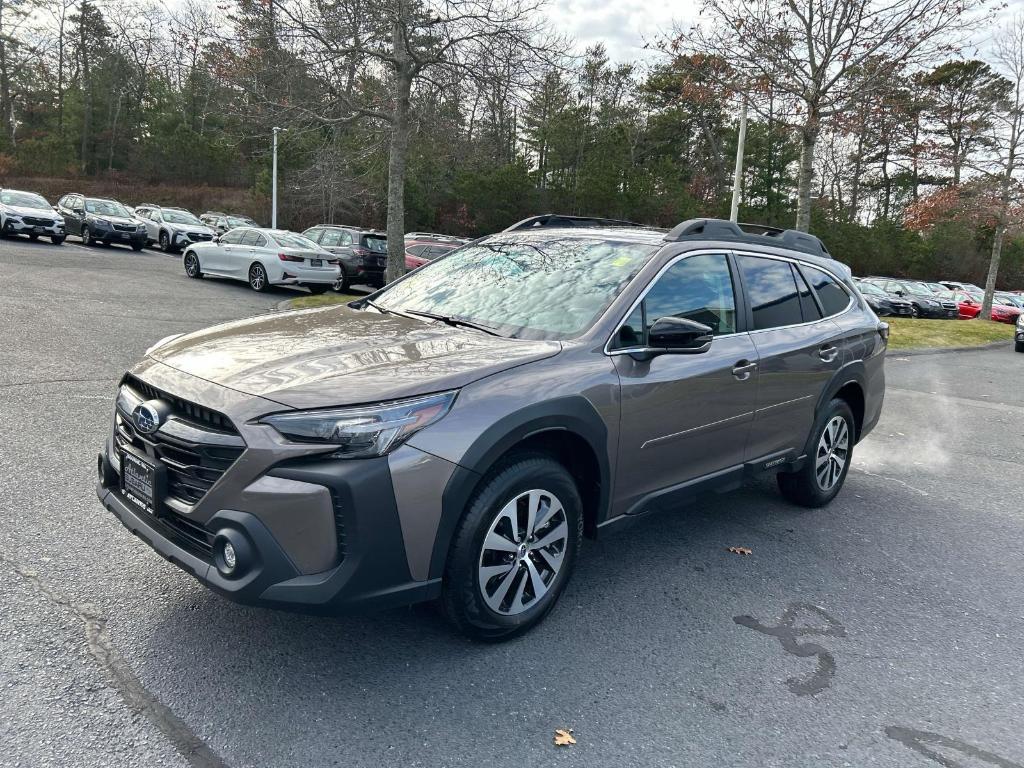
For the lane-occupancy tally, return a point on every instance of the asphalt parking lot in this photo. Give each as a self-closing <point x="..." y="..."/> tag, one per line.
<point x="885" y="630"/>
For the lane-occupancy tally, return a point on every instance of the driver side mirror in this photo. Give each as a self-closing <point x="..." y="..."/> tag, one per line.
<point x="78" y="211"/>
<point x="676" y="335"/>
<point x="899" y="292"/>
<point x="216" y="239"/>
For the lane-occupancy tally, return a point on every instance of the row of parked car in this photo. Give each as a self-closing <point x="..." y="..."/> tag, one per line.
<point x="220" y="243"/>
<point x="945" y="299"/>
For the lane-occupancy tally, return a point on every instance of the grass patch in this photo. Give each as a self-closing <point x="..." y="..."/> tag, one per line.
<point x="907" y="333"/>
<point x="323" y="300"/>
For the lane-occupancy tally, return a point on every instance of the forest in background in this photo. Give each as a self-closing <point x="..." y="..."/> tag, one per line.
<point x="177" y="106"/>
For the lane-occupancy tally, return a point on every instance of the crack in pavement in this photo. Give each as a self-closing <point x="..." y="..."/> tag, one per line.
<point x="12" y="384"/>
<point x="124" y="680"/>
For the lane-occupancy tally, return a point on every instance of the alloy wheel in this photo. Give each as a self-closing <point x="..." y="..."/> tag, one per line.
<point x="833" y="453"/>
<point x="522" y="552"/>
<point x="191" y="264"/>
<point x="257" y="277"/>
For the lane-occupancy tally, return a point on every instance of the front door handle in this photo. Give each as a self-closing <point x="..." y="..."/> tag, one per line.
<point x="828" y="353"/>
<point x="743" y="369"/>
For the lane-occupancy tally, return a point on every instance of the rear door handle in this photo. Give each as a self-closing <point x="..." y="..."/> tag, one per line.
<point x="828" y="353"/>
<point x="743" y="369"/>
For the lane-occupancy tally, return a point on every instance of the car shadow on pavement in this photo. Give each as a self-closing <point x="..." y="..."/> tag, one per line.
<point x="647" y="606"/>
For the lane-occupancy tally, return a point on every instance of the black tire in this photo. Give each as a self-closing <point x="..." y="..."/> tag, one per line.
<point x="33" y="237"/>
<point x="318" y="289"/>
<point x="803" y="487"/>
<point x="165" y="243"/>
<point x="258" y="279"/>
<point x="915" y="311"/>
<point x="136" y="246"/>
<point x="57" y="239"/>
<point x="343" y="283"/>
<point x="192" y="266"/>
<point x="87" y="237"/>
<point x="1018" y="346"/>
<point x="461" y="598"/>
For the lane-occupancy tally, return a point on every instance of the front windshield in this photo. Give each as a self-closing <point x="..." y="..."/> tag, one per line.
<point x="919" y="289"/>
<point x="536" y="287"/>
<point x="870" y="290"/>
<point x="240" y="221"/>
<point x="179" y="217"/>
<point x="106" y="208"/>
<point x="292" y="240"/>
<point x="23" y="199"/>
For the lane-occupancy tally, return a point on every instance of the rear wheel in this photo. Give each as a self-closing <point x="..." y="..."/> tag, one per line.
<point x="165" y="243"/>
<point x="258" y="280"/>
<point x="828" y="459"/>
<point x="514" y="550"/>
<point x="342" y="284"/>
<point x="1019" y="346"/>
<point x="192" y="265"/>
<point x="318" y="289"/>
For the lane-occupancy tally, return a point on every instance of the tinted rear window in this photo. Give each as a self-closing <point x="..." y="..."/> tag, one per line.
<point x="772" y="292"/>
<point x="834" y="299"/>
<point x="375" y="243"/>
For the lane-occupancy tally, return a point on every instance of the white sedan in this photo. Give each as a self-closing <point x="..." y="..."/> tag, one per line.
<point x="264" y="257"/>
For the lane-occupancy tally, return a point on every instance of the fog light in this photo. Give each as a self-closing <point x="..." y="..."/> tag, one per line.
<point x="228" y="552"/>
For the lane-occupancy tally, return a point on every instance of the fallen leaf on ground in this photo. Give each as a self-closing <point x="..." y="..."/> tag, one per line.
<point x="563" y="738"/>
<point x="741" y="550"/>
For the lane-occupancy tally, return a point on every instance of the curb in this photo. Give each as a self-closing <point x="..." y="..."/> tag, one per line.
<point x="941" y="350"/>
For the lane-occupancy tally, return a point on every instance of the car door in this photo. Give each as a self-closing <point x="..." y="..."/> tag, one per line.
<point x="797" y="351"/>
<point x="73" y="212"/>
<point x="153" y="220"/>
<point x="338" y="242"/>
<point x="216" y="257"/>
<point x="683" y="416"/>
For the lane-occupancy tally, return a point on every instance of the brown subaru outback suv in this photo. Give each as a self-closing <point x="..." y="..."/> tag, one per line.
<point x="453" y="436"/>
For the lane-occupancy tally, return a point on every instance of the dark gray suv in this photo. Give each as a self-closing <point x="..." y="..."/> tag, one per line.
<point x="455" y="435"/>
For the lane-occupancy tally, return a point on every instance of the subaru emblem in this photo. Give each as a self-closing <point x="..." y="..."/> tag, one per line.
<point x="148" y="416"/>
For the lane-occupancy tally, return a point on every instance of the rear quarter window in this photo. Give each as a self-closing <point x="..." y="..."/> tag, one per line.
<point x="833" y="297"/>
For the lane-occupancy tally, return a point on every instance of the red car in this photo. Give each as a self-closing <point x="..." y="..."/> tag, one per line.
<point x="969" y="306"/>
<point x="419" y="252"/>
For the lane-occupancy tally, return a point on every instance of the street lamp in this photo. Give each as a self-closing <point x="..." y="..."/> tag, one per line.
<point x="273" y="182"/>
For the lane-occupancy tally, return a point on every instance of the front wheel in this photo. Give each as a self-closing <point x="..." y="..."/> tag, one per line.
<point x="165" y="243"/>
<point x="57" y="239"/>
<point x="258" y="280"/>
<point x="828" y="459"/>
<point x="514" y="550"/>
<point x="192" y="265"/>
<point x="87" y="237"/>
<point x="33" y="237"/>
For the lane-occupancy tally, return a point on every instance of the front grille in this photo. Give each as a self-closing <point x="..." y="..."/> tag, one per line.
<point x="948" y="305"/>
<point x="189" y="534"/>
<point x="194" y="463"/>
<point x="183" y="408"/>
<point x="199" y="236"/>
<point x="35" y="221"/>
<point x="125" y="227"/>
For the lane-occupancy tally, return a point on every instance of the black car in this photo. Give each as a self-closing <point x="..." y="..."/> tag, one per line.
<point x="923" y="301"/>
<point x="882" y="303"/>
<point x="363" y="253"/>
<point x="98" y="220"/>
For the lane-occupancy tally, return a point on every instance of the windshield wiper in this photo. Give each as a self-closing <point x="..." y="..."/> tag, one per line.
<point x="454" y="321"/>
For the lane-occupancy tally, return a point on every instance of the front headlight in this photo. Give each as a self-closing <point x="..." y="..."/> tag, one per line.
<point x="101" y="223"/>
<point x="931" y="302"/>
<point x="365" y="431"/>
<point x="140" y="226"/>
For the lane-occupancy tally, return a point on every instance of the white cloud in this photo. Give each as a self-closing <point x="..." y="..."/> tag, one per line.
<point x="624" y="26"/>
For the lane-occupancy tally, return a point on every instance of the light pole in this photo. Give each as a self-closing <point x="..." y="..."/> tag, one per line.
<point x="273" y="183"/>
<point x="737" y="178"/>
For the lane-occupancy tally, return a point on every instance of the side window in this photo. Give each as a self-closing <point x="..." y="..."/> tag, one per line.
<point x="331" y="238"/>
<point x="808" y="307"/>
<point x="313" y="234"/>
<point x="833" y="297"/>
<point x="697" y="288"/>
<point x="232" y="237"/>
<point x="417" y="250"/>
<point x="249" y="237"/>
<point x="261" y="241"/>
<point x="771" y="289"/>
<point x="346" y="238"/>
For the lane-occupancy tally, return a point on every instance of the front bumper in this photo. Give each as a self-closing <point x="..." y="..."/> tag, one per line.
<point x="937" y="313"/>
<point x="21" y="227"/>
<point x="109" y="236"/>
<point x="371" y="571"/>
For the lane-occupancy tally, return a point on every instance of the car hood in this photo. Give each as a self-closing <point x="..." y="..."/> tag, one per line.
<point x="341" y="356"/>
<point x="114" y="219"/>
<point x="190" y="228"/>
<point x="21" y="210"/>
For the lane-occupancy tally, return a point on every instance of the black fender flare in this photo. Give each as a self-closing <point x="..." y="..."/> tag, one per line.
<point x="573" y="414"/>
<point x="851" y="373"/>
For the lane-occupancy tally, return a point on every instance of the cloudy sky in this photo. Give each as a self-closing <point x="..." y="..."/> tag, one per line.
<point x="622" y="25"/>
